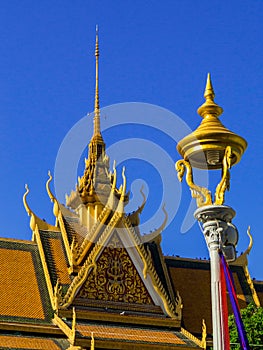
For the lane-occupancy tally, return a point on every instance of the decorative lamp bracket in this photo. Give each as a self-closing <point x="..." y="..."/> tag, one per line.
<point x="203" y="195"/>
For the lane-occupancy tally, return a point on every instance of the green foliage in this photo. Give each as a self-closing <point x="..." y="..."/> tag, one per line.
<point x="252" y="317"/>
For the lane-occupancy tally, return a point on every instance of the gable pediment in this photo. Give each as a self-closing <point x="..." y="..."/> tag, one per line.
<point x="119" y="273"/>
<point x="115" y="277"/>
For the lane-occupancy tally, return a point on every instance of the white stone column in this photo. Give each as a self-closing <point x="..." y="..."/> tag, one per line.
<point x="218" y="231"/>
<point x="213" y="244"/>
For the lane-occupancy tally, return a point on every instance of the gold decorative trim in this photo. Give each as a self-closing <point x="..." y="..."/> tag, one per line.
<point x="63" y="326"/>
<point x="92" y="342"/>
<point x="34" y="219"/>
<point x="146" y="258"/>
<point x="109" y="207"/>
<point x="171" y="310"/>
<point x="57" y="296"/>
<point x="76" y="283"/>
<point x="51" y="196"/>
<point x="104" y="215"/>
<point x="74" y="248"/>
<point x="116" y="278"/>
<point x="243" y="261"/>
<point x="202" y="194"/>
<point x="69" y="332"/>
<point x="204" y="334"/>
<point x="44" y="265"/>
<point x="64" y="236"/>
<point x="134" y="216"/>
<point x="224" y="184"/>
<point x="91" y="236"/>
<point x="252" y="288"/>
<point x="73" y="326"/>
<point x="59" y="217"/>
<point x="123" y="192"/>
<point x="156" y="234"/>
<point x="192" y="337"/>
<point x="165" y="270"/>
<point x="90" y="262"/>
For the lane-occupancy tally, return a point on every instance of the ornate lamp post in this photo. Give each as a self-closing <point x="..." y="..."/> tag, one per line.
<point x="212" y="146"/>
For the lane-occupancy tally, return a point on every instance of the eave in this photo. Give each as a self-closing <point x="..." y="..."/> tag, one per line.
<point x="126" y="319"/>
<point x="30" y="328"/>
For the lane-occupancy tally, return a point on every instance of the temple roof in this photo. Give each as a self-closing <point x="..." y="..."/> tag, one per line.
<point x="23" y="282"/>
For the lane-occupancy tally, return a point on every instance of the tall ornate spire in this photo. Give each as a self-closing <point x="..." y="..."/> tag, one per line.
<point x="97" y="103"/>
<point x="97" y="145"/>
<point x="95" y="185"/>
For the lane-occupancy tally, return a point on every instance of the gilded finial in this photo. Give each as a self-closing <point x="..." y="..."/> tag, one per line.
<point x="28" y="210"/>
<point x="50" y="194"/>
<point x="204" y="334"/>
<point x="97" y="103"/>
<point x="114" y="176"/>
<point x="205" y="147"/>
<point x="124" y="184"/>
<point x="97" y="42"/>
<point x="209" y="108"/>
<point x="209" y="91"/>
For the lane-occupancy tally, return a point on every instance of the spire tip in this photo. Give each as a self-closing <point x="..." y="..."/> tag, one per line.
<point x="97" y="105"/>
<point x="209" y="91"/>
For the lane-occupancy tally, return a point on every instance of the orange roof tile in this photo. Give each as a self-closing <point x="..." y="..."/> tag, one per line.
<point x="59" y="260"/>
<point x="73" y="225"/>
<point x="21" y="342"/>
<point x="55" y="256"/>
<point x="19" y="289"/>
<point x="129" y="334"/>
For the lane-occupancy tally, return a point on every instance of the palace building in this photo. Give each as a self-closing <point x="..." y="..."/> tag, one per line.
<point x="92" y="281"/>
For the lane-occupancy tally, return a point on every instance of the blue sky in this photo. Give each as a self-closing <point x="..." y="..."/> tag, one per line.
<point x="151" y="52"/>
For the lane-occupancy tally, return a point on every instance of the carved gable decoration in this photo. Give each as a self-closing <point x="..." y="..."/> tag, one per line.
<point x="115" y="277"/>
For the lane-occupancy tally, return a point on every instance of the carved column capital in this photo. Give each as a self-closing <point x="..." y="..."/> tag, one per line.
<point x="218" y="229"/>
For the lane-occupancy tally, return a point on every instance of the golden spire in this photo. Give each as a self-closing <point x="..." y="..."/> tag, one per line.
<point x="209" y="91"/>
<point x="209" y="107"/>
<point x="97" y="145"/>
<point x="97" y="103"/>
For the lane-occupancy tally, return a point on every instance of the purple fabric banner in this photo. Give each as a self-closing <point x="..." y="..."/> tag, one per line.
<point x="234" y="302"/>
<point x="224" y="307"/>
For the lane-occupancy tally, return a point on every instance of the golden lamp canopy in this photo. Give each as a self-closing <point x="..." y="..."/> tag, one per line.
<point x="205" y="147"/>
